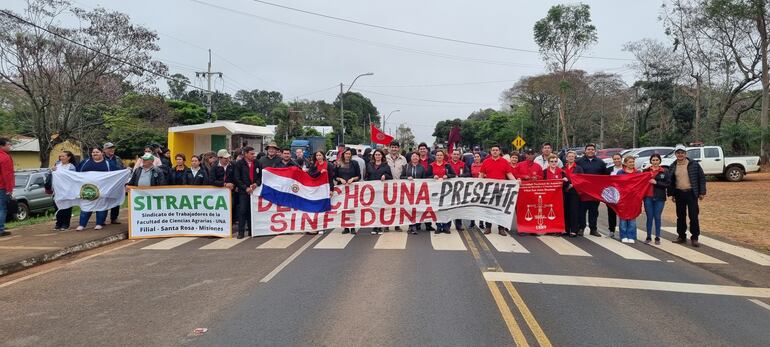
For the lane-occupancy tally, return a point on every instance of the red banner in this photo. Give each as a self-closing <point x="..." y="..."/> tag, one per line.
<point x="540" y="207"/>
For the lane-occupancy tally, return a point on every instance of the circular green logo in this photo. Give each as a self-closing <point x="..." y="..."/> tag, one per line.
<point x="89" y="192"/>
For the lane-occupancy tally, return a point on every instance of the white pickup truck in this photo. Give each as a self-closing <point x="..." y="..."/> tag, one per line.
<point x="714" y="162"/>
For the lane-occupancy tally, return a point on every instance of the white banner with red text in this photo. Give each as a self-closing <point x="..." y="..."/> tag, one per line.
<point x="169" y="211"/>
<point x="392" y="203"/>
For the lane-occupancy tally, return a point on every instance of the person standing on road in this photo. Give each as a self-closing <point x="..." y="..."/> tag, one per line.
<point x="628" y="226"/>
<point x="475" y="171"/>
<point x="425" y="160"/>
<point x="496" y="168"/>
<point x="248" y="176"/>
<point x="396" y="161"/>
<point x="180" y="172"/>
<point x="656" y="198"/>
<point x="529" y="170"/>
<point x="63" y="216"/>
<point x="591" y="165"/>
<point x="545" y="153"/>
<point x="461" y="170"/>
<point x="688" y="185"/>
<point x="441" y="170"/>
<point x="223" y="177"/>
<point x="97" y="162"/>
<point x="378" y="170"/>
<point x="7" y="181"/>
<point x="117" y="163"/>
<point x="571" y="196"/>
<point x="414" y="171"/>
<point x="612" y="218"/>
<point x="554" y="172"/>
<point x="346" y="172"/>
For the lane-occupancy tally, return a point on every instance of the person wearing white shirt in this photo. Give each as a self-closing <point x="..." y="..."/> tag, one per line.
<point x="546" y="151"/>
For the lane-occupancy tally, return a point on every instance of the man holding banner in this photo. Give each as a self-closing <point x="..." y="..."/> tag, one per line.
<point x="496" y="167"/>
<point x="248" y="176"/>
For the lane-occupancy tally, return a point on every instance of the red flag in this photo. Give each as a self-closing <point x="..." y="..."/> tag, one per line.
<point x="454" y="137"/>
<point x="540" y="207"/>
<point x="622" y="193"/>
<point x="380" y="137"/>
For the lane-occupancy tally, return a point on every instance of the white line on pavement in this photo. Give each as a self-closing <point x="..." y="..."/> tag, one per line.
<point x="447" y="242"/>
<point x="392" y="240"/>
<point x="621" y="249"/>
<point x="761" y="304"/>
<point x="741" y="252"/>
<point x="289" y="259"/>
<point x="223" y="244"/>
<point x="280" y="241"/>
<point x="334" y="240"/>
<point x="562" y="246"/>
<point x="624" y="283"/>
<point x="505" y="244"/>
<point x="681" y="251"/>
<point x="169" y="243"/>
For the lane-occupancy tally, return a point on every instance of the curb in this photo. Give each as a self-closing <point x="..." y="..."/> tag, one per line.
<point x="7" y="269"/>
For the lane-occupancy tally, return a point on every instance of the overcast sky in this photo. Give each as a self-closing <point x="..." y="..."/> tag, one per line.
<point x="258" y="46"/>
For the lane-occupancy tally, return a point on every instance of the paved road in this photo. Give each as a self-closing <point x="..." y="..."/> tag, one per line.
<point x="393" y="289"/>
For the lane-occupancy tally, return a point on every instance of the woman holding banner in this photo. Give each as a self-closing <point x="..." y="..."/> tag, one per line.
<point x="346" y="172"/>
<point x="319" y="166"/>
<point x="628" y="226"/>
<point x="474" y="171"/>
<point x="612" y="218"/>
<point x="571" y="196"/>
<point x="196" y="175"/>
<point x="514" y="160"/>
<point x="412" y="171"/>
<point x="95" y="163"/>
<point x="656" y="198"/>
<point x="441" y="170"/>
<point x="179" y="175"/>
<point x="378" y="170"/>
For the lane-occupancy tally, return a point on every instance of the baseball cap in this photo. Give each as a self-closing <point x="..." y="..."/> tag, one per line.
<point x="530" y="151"/>
<point x="476" y="148"/>
<point x="148" y="156"/>
<point x="680" y="147"/>
<point x="108" y="145"/>
<point x="223" y="153"/>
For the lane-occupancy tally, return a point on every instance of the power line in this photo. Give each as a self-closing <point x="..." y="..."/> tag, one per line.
<point x="154" y="73"/>
<point x="313" y="92"/>
<point x="437" y="84"/>
<point x="402" y="31"/>
<point x="426" y="100"/>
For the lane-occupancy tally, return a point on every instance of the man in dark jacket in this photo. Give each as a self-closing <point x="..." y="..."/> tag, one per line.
<point x="248" y="176"/>
<point x="115" y="162"/>
<point x="272" y="158"/>
<point x="285" y="159"/>
<point x="688" y="185"/>
<point x="149" y="175"/>
<point x="591" y="165"/>
<point x="224" y="174"/>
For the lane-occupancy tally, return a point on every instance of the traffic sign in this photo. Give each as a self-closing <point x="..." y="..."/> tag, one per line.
<point x="518" y="142"/>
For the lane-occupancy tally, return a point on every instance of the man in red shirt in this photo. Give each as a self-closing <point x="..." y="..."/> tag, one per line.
<point x="497" y="168"/>
<point x="529" y="170"/>
<point x="7" y="181"/>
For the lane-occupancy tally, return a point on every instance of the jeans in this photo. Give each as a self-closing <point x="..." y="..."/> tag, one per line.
<point x="687" y="205"/>
<point x="653" y="208"/>
<point x="592" y="207"/>
<point x="3" y="209"/>
<point x="627" y="229"/>
<point x="101" y="217"/>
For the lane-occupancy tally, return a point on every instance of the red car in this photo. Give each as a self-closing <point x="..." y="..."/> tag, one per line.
<point x="607" y="152"/>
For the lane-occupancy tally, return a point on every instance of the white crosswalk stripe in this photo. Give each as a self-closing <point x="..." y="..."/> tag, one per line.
<point x="169" y="243"/>
<point x="223" y="244"/>
<point x="681" y="251"/>
<point x="505" y="244"/>
<point x="741" y="252"/>
<point x="391" y="240"/>
<point x="447" y="242"/>
<point x="562" y="246"/>
<point x="621" y="249"/>
<point x="280" y="241"/>
<point x="334" y="240"/>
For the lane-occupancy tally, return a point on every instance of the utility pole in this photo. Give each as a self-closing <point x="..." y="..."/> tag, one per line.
<point x="208" y="73"/>
<point x="342" y="116"/>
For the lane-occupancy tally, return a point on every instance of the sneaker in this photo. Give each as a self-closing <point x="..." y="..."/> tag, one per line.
<point x="647" y="241"/>
<point x="487" y="230"/>
<point x="374" y="232"/>
<point x="680" y="240"/>
<point x="612" y="235"/>
<point x="353" y="231"/>
<point x="115" y="222"/>
<point x="657" y="241"/>
<point x="346" y="231"/>
<point x="436" y="232"/>
<point x="80" y="228"/>
<point x="321" y="232"/>
<point x="631" y="241"/>
<point x="98" y="227"/>
<point x="594" y="233"/>
<point x="624" y="240"/>
<point x="398" y="229"/>
<point x="695" y="243"/>
<point x="414" y="231"/>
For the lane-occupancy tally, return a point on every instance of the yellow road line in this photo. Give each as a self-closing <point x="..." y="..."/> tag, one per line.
<point x="505" y="311"/>
<point x="540" y="335"/>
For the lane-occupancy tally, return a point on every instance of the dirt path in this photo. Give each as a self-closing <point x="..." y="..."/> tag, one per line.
<point x="739" y="211"/>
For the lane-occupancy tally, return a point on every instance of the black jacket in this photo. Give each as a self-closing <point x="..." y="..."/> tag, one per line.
<point x="266" y="161"/>
<point x="241" y="173"/>
<point x="314" y="172"/>
<point x="201" y="179"/>
<point x="414" y="171"/>
<point x="178" y="177"/>
<point x="375" y="173"/>
<point x="158" y="177"/>
<point x="697" y="178"/>
<point x="281" y="164"/>
<point x="594" y="166"/>
<point x="353" y="170"/>
<point x="220" y="176"/>
<point x="662" y="181"/>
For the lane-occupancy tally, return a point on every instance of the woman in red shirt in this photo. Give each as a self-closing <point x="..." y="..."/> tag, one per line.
<point x="475" y="170"/>
<point x="441" y="170"/>
<point x="514" y="161"/>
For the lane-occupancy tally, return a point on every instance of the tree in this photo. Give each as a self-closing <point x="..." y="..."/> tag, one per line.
<point x="564" y="34"/>
<point x="252" y="119"/>
<point x="404" y="136"/>
<point x="359" y="113"/>
<point x="187" y="113"/>
<point x="62" y="80"/>
<point x="138" y="119"/>
<point x="177" y="86"/>
<point x="259" y="101"/>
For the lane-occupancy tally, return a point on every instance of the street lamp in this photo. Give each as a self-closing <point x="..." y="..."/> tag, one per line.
<point x="385" y="120"/>
<point x="342" y="108"/>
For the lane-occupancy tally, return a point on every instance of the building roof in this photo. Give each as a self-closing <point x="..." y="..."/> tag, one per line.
<point x="223" y="127"/>
<point x="25" y="144"/>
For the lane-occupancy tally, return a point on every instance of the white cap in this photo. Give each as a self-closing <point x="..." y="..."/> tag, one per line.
<point x="680" y="147"/>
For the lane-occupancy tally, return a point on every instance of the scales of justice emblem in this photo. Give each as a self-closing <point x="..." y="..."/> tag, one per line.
<point x="540" y="215"/>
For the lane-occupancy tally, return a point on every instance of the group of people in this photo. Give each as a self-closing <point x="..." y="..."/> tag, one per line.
<point x="684" y="181"/>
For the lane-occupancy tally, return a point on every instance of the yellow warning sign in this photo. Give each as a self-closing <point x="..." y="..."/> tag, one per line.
<point x="518" y="142"/>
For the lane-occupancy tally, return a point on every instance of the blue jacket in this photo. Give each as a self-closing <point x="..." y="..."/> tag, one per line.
<point x="593" y="166"/>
